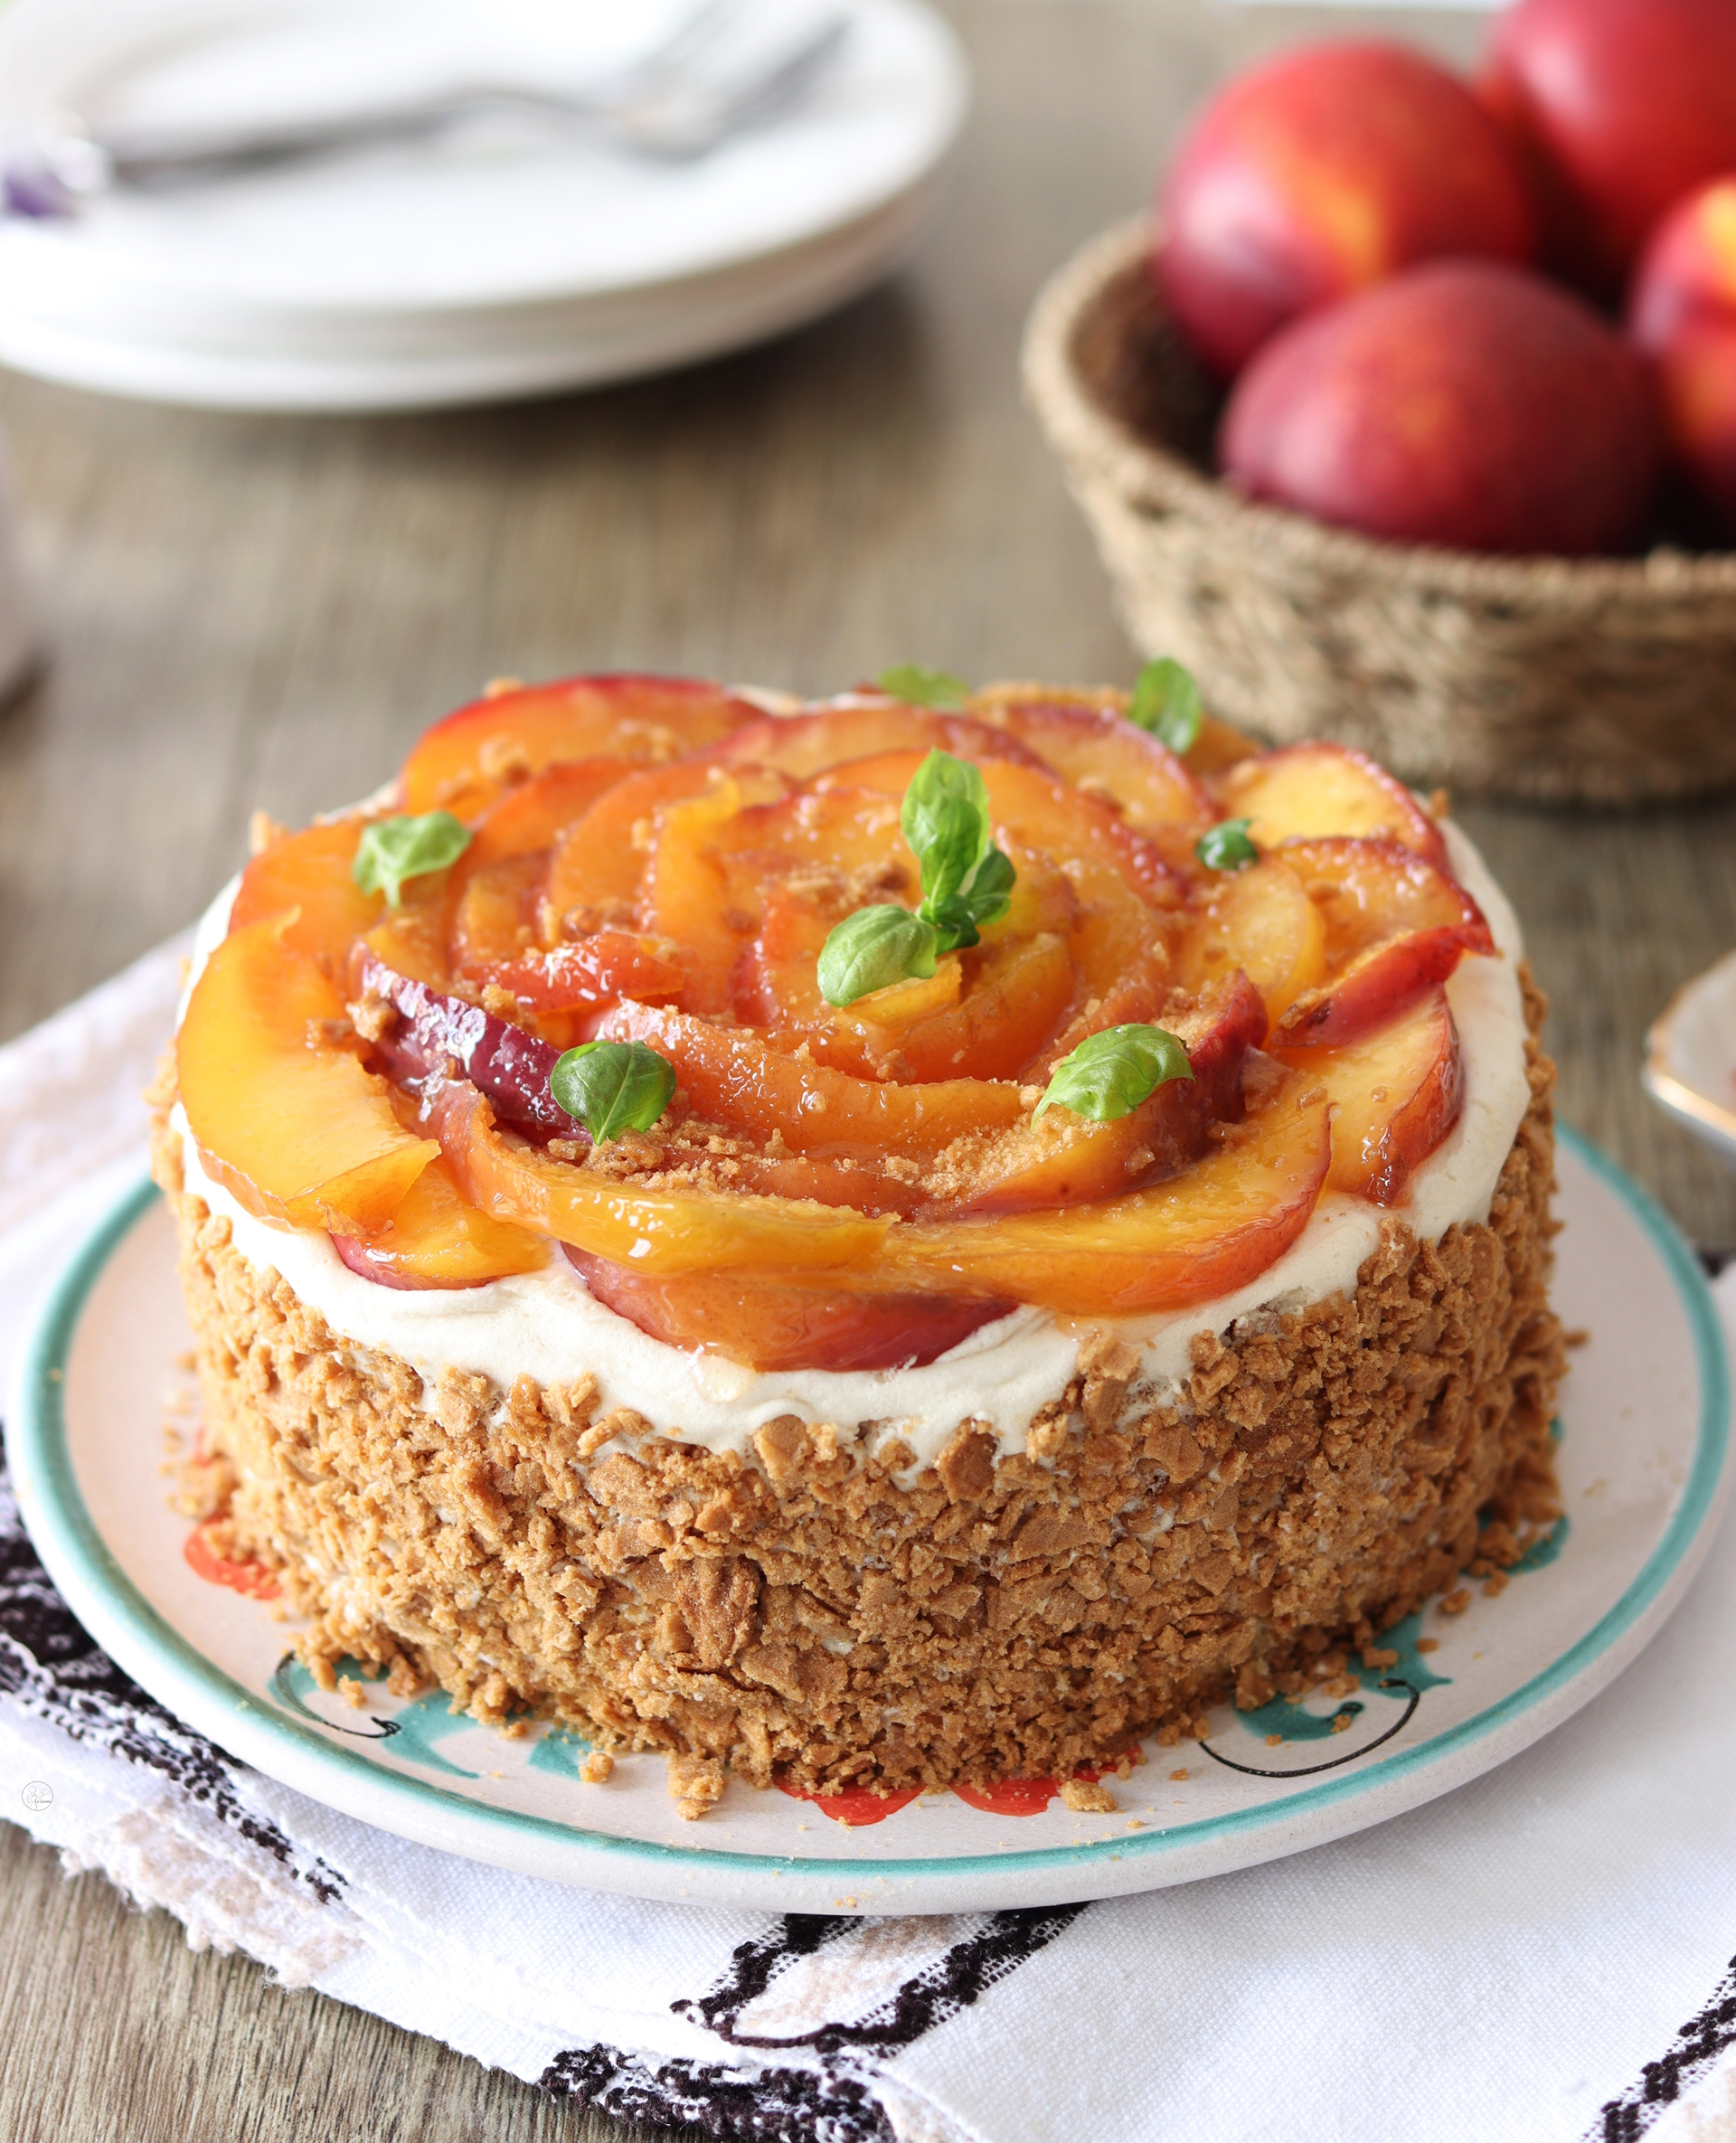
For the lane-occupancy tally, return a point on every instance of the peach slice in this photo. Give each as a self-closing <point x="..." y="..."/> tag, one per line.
<point x="733" y="1076"/>
<point x="1061" y="1159"/>
<point x="1099" y="750"/>
<point x="651" y="1229"/>
<point x="1395" y="927"/>
<point x="1204" y="1232"/>
<point x="688" y="893"/>
<point x="535" y="814"/>
<point x="286" y="1117"/>
<point x="1301" y="790"/>
<point x="435" y="1238"/>
<point x="586" y="973"/>
<point x="463" y="763"/>
<point x="1261" y="921"/>
<point x="804" y="745"/>
<point x="775" y="1325"/>
<point x="310" y="872"/>
<point x="1039" y="811"/>
<point x="1394" y="1098"/>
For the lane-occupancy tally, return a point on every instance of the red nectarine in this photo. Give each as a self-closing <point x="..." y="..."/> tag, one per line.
<point x="1319" y="174"/>
<point x="1620" y="106"/>
<point x="1683" y="315"/>
<point x="1462" y="403"/>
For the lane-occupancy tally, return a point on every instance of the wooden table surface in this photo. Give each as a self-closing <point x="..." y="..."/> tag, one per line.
<point x="265" y="611"/>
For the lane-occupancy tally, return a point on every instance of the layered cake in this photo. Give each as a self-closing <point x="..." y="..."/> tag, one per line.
<point x="910" y="1240"/>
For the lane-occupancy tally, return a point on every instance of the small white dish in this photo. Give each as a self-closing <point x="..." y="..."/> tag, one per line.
<point x="1645" y="1417"/>
<point x="1690" y="1067"/>
<point x="447" y="270"/>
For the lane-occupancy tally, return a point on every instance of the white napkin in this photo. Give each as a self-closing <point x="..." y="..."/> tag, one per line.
<point x="1545" y="1954"/>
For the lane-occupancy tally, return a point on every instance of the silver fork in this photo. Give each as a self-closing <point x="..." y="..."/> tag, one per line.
<point x="676" y="104"/>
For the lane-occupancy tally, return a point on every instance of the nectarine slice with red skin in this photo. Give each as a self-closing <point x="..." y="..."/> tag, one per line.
<point x="1395" y="927"/>
<point x="1303" y="790"/>
<point x="687" y="894"/>
<point x="1200" y="1234"/>
<point x="435" y="1238"/>
<point x="772" y="1325"/>
<point x="283" y="1115"/>
<point x="434" y="1032"/>
<point x="1394" y="1098"/>
<point x="587" y="974"/>
<point x="309" y="872"/>
<point x="651" y="1229"/>
<point x="465" y="761"/>
<point x="1261" y="921"/>
<point x="1061" y="1159"/>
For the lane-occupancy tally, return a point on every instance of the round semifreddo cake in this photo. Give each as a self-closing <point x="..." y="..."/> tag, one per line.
<point x="865" y="1244"/>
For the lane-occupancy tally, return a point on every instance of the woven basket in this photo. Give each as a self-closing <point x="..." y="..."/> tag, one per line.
<point x="1557" y="681"/>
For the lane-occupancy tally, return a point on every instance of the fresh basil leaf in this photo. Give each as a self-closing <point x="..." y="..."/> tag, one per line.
<point x="1166" y="700"/>
<point x="394" y="849"/>
<point x="909" y="681"/>
<point x="872" y="949"/>
<point x="958" y="920"/>
<point x="1110" y="1073"/>
<point x="1226" y="846"/>
<point x="944" y="818"/>
<point x="612" y="1087"/>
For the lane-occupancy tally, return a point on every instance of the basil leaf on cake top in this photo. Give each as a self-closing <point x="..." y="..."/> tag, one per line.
<point x="1166" y="702"/>
<point x="874" y="948"/>
<point x="1110" y="1073"/>
<point x="919" y="687"/>
<point x="1226" y="846"/>
<point x="612" y="1087"/>
<point x="966" y="883"/>
<point x="394" y="849"/>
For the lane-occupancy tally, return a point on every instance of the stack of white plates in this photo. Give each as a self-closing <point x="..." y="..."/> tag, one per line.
<point x="463" y="268"/>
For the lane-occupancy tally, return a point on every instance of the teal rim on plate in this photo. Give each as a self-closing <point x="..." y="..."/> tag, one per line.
<point x="62" y="1526"/>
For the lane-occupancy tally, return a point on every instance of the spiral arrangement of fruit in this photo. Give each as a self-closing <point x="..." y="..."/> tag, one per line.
<point x="1114" y="1070"/>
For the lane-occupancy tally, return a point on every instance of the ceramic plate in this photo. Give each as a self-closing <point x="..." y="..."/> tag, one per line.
<point x="459" y="268"/>
<point x="1643" y="1430"/>
<point x="1691" y="1057"/>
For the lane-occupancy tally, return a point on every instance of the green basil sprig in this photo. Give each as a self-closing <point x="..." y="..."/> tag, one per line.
<point x="1110" y="1073"/>
<point x="909" y="681"/>
<point x="966" y="883"/>
<point x="612" y="1087"/>
<point x="394" y="849"/>
<point x="1226" y="846"/>
<point x="1166" y="700"/>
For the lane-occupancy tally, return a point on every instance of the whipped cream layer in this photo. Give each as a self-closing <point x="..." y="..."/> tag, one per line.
<point x="546" y="1325"/>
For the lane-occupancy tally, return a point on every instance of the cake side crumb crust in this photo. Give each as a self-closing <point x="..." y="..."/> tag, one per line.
<point x="826" y="1616"/>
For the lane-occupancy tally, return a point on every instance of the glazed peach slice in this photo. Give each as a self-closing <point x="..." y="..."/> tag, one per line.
<point x="1302" y="790"/>
<point x="1395" y="927"/>
<point x="1096" y="748"/>
<point x="1203" y="1233"/>
<point x="652" y="1229"/>
<point x="1263" y="921"/>
<point x="804" y="745"/>
<point x="1216" y="747"/>
<point x="733" y="1076"/>
<point x="983" y="1013"/>
<point x="1061" y="1159"/>
<point x="689" y="895"/>
<point x="535" y="814"/>
<point x="463" y="762"/>
<point x="778" y="1325"/>
<point x="1394" y="1098"/>
<point x="1041" y="812"/>
<point x="587" y="974"/>
<point x="310" y="872"/>
<point x="435" y="1238"/>
<point x="285" y="1117"/>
